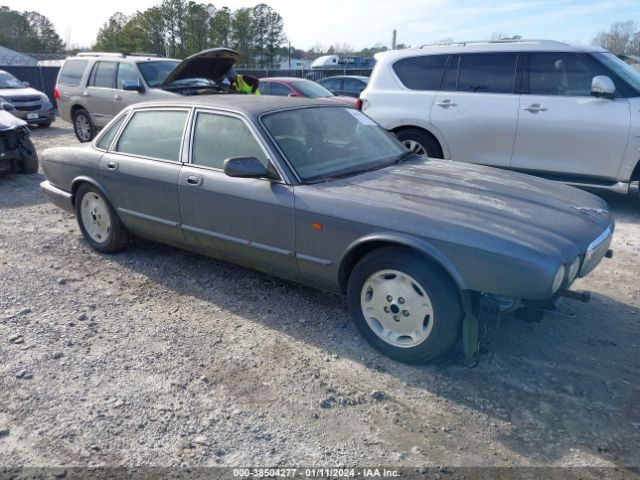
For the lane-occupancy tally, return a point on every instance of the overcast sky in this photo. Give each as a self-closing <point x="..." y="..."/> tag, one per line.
<point x="363" y="23"/>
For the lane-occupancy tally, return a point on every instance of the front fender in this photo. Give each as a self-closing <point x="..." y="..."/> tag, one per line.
<point x="392" y="238"/>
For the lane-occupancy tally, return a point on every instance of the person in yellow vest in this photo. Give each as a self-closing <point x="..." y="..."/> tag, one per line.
<point x="243" y="83"/>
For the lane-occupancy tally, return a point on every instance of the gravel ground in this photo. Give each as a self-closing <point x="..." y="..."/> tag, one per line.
<point x="160" y="357"/>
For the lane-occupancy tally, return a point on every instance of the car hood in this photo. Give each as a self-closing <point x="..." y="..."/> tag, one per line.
<point x="10" y="93"/>
<point x="211" y="64"/>
<point x="498" y="204"/>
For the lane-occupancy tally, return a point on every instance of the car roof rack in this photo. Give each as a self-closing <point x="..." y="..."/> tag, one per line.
<point x="100" y="54"/>
<point x="498" y="42"/>
<point x="143" y="54"/>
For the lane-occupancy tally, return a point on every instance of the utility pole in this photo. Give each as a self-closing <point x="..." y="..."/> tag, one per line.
<point x="393" y="41"/>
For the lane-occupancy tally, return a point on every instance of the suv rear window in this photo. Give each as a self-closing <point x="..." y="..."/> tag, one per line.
<point x="487" y="73"/>
<point x="421" y="73"/>
<point x="71" y="72"/>
<point x="103" y="75"/>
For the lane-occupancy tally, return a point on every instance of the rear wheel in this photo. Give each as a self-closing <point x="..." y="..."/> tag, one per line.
<point x="29" y="163"/>
<point x="420" y="142"/>
<point x="98" y="222"/>
<point x="404" y="306"/>
<point x="83" y="126"/>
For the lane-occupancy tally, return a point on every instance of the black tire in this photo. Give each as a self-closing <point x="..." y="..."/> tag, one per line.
<point x="29" y="163"/>
<point x="117" y="237"/>
<point x="45" y="125"/>
<point x="427" y="142"/>
<point x="433" y="280"/>
<point x="83" y="126"/>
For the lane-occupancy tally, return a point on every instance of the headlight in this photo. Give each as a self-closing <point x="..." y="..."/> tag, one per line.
<point x="573" y="270"/>
<point x="557" y="281"/>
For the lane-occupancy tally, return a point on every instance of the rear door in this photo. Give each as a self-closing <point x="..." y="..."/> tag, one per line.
<point x="476" y="110"/>
<point x="246" y="220"/>
<point x="100" y="91"/>
<point x="562" y="128"/>
<point x="140" y="173"/>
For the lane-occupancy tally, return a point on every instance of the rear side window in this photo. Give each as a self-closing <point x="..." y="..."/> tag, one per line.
<point x="71" y="72"/>
<point x="280" y="89"/>
<point x="421" y="73"/>
<point x="352" y="85"/>
<point x="103" y="75"/>
<point x="154" y="133"/>
<point x="332" y="84"/>
<point x="487" y="73"/>
<point x="265" y="88"/>
<point x="105" y="140"/>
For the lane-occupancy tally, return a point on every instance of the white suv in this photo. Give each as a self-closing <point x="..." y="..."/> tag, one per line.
<point x="564" y="112"/>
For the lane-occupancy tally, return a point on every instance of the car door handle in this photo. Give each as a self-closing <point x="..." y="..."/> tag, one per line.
<point x="117" y="97"/>
<point x="194" y="180"/>
<point x="446" y="103"/>
<point x="112" y="165"/>
<point x="535" y="108"/>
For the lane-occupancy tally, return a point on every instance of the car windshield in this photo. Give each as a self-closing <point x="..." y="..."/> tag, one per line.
<point x="312" y="90"/>
<point x="9" y="81"/>
<point x="323" y="143"/>
<point x="154" y="73"/>
<point x="622" y="69"/>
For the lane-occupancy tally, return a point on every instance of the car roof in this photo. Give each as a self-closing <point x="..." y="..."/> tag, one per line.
<point x="487" y="47"/>
<point x="248" y="105"/>
<point x="133" y="57"/>
<point x="357" y="77"/>
<point x="283" y="79"/>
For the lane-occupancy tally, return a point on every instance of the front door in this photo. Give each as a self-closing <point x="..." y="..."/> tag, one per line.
<point x="245" y="220"/>
<point x="140" y="174"/>
<point x="476" y="111"/>
<point x="563" y="128"/>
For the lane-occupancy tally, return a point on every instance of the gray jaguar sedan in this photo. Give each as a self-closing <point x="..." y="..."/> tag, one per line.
<point x="319" y="193"/>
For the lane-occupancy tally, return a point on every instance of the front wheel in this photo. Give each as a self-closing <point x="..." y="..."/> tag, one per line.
<point x="29" y="163"/>
<point x="404" y="306"/>
<point x="98" y="222"/>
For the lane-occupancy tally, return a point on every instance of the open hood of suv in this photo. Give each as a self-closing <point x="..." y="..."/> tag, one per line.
<point x="211" y="64"/>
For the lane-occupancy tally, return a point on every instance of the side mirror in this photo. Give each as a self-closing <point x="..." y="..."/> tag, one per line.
<point x="602" y="86"/>
<point x="26" y="84"/>
<point x="132" y="86"/>
<point x="245" y="167"/>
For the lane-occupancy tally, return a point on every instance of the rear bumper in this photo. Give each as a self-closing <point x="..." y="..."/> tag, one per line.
<point x="58" y="196"/>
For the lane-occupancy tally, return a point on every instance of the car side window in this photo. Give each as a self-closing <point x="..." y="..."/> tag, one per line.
<point x="265" y="88"/>
<point x="218" y="137"/>
<point x="72" y="71"/>
<point x="154" y="133"/>
<point x="421" y="73"/>
<point x="103" y="74"/>
<point x="127" y="72"/>
<point x="332" y="84"/>
<point x="568" y="74"/>
<point x="106" y="138"/>
<point x="487" y="73"/>
<point x="352" y="85"/>
<point x="280" y="89"/>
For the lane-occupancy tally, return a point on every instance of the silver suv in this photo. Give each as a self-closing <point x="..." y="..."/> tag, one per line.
<point x="564" y="112"/>
<point x="93" y="87"/>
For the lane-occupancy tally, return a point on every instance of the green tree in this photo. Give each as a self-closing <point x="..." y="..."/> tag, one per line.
<point x="275" y="35"/>
<point x="220" y="28"/>
<point x="196" y="34"/>
<point x="109" y="35"/>
<point x="242" y="34"/>
<point x="44" y="33"/>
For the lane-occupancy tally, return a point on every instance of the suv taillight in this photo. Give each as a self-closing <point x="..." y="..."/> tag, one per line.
<point x="56" y="93"/>
<point x="359" y="104"/>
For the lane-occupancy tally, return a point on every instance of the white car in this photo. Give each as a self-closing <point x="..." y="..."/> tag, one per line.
<point x="563" y="112"/>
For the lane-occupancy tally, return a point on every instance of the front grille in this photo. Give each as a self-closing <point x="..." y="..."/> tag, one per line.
<point x="28" y="108"/>
<point x="24" y="98"/>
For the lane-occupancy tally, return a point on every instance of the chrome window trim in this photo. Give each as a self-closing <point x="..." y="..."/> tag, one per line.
<point x="103" y="131"/>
